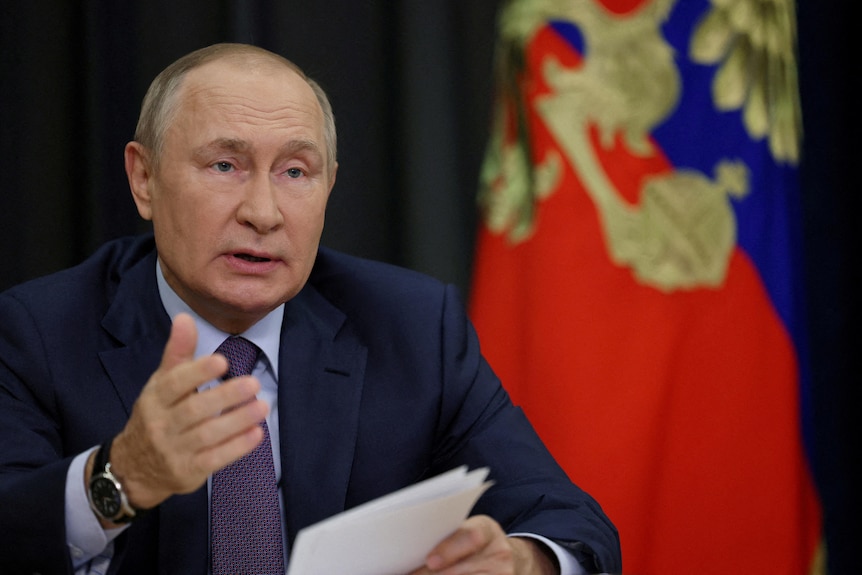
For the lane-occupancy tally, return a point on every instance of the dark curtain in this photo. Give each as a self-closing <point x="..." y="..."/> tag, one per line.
<point x="829" y="69"/>
<point x="410" y="82"/>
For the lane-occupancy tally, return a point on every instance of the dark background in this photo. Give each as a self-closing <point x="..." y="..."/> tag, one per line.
<point x="410" y="82"/>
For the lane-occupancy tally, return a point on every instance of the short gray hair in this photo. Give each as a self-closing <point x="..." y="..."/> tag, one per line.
<point x="160" y="102"/>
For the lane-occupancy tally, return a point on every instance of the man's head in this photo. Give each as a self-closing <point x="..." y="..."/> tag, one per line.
<point x="233" y="161"/>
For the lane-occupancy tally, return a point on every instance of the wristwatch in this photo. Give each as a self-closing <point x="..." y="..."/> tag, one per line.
<point x="106" y="494"/>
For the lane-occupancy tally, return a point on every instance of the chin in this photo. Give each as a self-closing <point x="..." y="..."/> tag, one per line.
<point x="257" y="304"/>
<point x="252" y="306"/>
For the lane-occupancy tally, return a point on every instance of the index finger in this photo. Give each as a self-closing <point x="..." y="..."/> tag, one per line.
<point x="471" y="537"/>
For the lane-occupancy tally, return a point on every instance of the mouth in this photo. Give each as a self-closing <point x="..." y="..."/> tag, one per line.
<point x="251" y="258"/>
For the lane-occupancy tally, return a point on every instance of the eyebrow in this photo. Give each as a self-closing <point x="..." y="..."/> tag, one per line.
<point x="294" y="146"/>
<point x="223" y="144"/>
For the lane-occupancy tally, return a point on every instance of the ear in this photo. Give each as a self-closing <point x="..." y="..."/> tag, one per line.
<point x="332" y="179"/>
<point x="139" y="172"/>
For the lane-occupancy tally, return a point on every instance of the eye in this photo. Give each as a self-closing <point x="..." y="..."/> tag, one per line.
<point x="223" y="167"/>
<point x="294" y="173"/>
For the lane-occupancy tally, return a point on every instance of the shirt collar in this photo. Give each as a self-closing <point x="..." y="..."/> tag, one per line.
<point x="265" y="334"/>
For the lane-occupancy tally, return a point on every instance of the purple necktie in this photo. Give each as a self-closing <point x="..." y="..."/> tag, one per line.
<point x="246" y="521"/>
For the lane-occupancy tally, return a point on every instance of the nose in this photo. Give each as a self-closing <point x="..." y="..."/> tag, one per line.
<point x="259" y="208"/>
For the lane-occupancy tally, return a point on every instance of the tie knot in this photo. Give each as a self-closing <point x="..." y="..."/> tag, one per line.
<point x="241" y="355"/>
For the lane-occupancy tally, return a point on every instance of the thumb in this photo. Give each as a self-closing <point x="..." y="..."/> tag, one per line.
<point x="181" y="343"/>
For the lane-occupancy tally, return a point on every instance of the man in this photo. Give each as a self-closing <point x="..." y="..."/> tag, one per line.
<point x="113" y="428"/>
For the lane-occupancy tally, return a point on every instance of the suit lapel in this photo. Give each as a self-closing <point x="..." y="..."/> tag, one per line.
<point x="139" y="322"/>
<point x="321" y="370"/>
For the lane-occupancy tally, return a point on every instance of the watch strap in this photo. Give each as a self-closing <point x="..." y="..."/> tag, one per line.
<point x="103" y="456"/>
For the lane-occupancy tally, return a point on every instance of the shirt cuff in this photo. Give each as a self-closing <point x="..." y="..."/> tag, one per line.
<point x="85" y="536"/>
<point x="568" y="564"/>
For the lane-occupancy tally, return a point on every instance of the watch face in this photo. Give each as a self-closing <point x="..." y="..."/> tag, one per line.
<point x="105" y="496"/>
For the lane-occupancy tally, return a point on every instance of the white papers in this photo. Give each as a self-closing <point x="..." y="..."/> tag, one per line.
<point x="393" y="534"/>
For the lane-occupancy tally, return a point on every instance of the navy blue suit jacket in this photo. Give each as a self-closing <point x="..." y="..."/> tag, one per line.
<point x="381" y="384"/>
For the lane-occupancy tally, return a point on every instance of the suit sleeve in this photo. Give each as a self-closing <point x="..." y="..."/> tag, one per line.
<point x="481" y="427"/>
<point x="32" y="469"/>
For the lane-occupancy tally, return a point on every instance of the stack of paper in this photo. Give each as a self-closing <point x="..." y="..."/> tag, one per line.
<point x="391" y="535"/>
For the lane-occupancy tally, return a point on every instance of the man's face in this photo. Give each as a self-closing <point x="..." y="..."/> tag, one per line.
<point x="238" y="198"/>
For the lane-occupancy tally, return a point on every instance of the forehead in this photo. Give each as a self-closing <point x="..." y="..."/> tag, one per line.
<point x="247" y="93"/>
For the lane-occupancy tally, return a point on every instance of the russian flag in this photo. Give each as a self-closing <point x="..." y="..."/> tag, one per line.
<point x="636" y="282"/>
